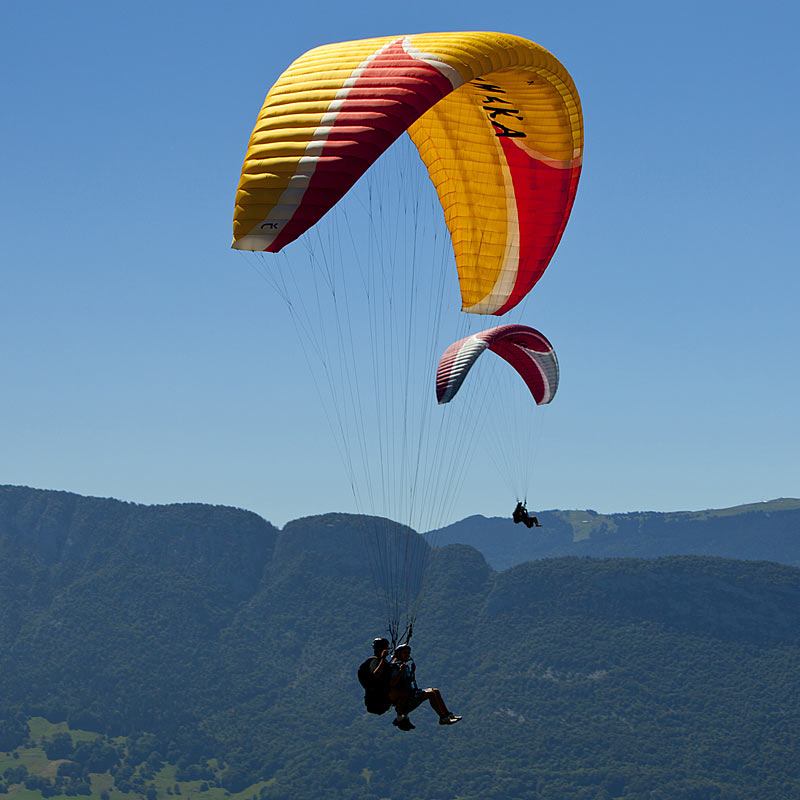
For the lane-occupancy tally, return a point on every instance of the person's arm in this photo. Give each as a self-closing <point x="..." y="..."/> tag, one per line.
<point x="381" y="663"/>
<point x="397" y="675"/>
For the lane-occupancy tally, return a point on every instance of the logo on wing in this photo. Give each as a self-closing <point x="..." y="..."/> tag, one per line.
<point x="500" y="111"/>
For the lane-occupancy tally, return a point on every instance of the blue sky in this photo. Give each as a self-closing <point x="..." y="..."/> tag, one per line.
<point x="143" y="359"/>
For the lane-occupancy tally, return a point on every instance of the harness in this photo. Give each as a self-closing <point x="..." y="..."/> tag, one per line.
<point x="376" y="690"/>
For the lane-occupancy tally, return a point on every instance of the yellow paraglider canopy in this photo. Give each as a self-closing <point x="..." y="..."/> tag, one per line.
<point x="496" y="119"/>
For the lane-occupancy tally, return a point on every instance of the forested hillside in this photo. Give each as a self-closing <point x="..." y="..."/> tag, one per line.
<point x="208" y="649"/>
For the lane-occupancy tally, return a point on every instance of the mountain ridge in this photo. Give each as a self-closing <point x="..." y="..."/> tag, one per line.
<point x="754" y="531"/>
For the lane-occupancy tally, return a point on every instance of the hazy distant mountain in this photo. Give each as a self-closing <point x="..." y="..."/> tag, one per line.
<point x="761" y="531"/>
<point x="200" y="632"/>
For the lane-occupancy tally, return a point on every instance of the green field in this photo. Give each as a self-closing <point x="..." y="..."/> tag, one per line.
<point x="161" y="784"/>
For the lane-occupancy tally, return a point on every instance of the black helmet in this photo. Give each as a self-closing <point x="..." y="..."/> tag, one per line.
<point x="379" y="643"/>
<point x="403" y="646"/>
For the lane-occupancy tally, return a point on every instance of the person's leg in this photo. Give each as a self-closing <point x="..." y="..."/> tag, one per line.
<point x="402" y="720"/>
<point x="437" y="703"/>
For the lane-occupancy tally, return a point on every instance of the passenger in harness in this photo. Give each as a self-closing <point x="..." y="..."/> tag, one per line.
<point x="406" y="695"/>
<point x="374" y="675"/>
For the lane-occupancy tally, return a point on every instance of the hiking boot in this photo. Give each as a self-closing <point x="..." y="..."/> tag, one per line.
<point x="404" y="723"/>
<point x="449" y="720"/>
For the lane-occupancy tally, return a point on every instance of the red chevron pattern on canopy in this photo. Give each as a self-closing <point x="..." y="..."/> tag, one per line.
<point x="524" y="348"/>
